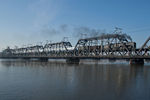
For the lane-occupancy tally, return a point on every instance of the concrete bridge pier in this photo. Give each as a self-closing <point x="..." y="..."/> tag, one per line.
<point x="43" y="59"/>
<point x="26" y="58"/>
<point x="136" y="61"/>
<point x="72" y="61"/>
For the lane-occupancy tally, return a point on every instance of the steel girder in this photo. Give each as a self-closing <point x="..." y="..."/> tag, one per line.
<point x="51" y="49"/>
<point x="145" y="49"/>
<point x="106" y="44"/>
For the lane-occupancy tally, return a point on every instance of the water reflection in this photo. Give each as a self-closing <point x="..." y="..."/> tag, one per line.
<point x="60" y="81"/>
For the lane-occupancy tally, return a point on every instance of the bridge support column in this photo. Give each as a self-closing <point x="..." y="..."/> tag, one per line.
<point x="43" y="59"/>
<point x="26" y="58"/>
<point x="136" y="61"/>
<point x="72" y="61"/>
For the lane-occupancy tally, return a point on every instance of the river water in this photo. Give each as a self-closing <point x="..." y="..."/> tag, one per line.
<point x="35" y="80"/>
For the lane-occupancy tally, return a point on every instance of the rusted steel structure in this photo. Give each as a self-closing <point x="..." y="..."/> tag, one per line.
<point x="145" y="49"/>
<point x="105" y="46"/>
<point x="50" y="49"/>
<point x="57" y="49"/>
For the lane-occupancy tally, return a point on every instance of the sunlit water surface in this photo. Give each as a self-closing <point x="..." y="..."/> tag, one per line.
<point x="34" y="80"/>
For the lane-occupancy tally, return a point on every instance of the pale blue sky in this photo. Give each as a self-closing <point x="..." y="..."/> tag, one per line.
<point x="23" y="21"/>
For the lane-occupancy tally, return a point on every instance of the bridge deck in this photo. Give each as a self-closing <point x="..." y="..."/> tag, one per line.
<point x="80" y="57"/>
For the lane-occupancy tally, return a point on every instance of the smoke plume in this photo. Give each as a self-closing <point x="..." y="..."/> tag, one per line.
<point x="81" y="32"/>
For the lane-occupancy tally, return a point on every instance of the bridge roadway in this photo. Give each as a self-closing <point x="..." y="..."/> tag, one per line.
<point x="79" y="57"/>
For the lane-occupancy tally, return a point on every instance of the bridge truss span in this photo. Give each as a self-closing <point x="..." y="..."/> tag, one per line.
<point x="105" y="46"/>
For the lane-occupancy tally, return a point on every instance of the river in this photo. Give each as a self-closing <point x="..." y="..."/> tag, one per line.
<point x="35" y="80"/>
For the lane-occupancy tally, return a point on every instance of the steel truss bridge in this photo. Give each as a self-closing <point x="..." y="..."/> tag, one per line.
<point x="106" y="46"/>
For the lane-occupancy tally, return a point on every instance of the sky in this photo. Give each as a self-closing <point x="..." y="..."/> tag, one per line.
<point x="24" y="22"/>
